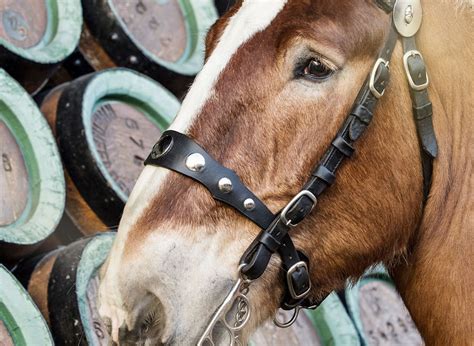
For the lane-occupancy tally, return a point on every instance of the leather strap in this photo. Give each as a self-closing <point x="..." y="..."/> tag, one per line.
<point x="258" y="255"/>
<point x="417" y="76"/>
<point x="179" y="147"/>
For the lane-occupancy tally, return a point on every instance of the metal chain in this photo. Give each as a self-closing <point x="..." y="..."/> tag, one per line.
<point x="237" y="295"/>
<point x="242" y="306"/>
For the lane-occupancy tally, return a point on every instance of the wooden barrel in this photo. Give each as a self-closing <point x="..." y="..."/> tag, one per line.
<point x="379" y="313"/>
<point x="32" y="188"/>
<point x="106" y="124"/>
<point x="37" y="35"/>
<point x="64" y="286"/>
<point x="162" y="39"/>
<point x="328" y="325"/>
<point x="21" y="323"/>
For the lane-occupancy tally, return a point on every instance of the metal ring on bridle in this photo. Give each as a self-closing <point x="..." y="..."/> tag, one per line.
<point x="290" y="322"/>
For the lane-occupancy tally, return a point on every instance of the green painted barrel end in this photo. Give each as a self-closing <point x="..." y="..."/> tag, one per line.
<point x="46" y="191"/>
<point x="93" y="256"/>
<point x="332" y="322"/>
<point x="22" y="319"/>
<point x="60" y="38"/>
<point x="378" y="311"/>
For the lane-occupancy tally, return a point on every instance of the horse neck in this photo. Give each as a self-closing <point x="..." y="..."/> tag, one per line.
<point x="436" y="280"/>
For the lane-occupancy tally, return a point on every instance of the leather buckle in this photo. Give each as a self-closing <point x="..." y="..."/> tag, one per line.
<point x="411" y="81"/>
<point x="377" y="93"/>
<point x="295" y="267"/>
<point x="285" y="210"/>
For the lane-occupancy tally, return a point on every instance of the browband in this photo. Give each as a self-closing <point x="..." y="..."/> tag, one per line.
<point x="181" y="154"/>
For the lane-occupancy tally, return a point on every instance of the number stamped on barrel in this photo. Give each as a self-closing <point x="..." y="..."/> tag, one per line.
<point x="23" y="22"/>
<point x="158" y="26"/>
<point x="13" y="178"/>
<point x="385" y="319"/>
<point x="123" y="137"/>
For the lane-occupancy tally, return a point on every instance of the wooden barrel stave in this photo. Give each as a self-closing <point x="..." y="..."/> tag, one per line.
<point x="64" y="286"/>
<point x="77" y="208"/>
<point x="106" y="124"/>
<point x="126" y="34"/>
<point x="37" y="283"/>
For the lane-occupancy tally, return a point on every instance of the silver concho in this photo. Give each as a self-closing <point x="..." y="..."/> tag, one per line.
<point x="249" y="204"/>
<point x="225" y="185"/>
<point x="407" y="17"/>
<point x="195" y="162"/>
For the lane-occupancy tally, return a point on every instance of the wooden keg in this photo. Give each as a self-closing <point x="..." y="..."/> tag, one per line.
<point x="379" y="313"/>
<point x="162" y="39"/>
<point x="37" y="35"/>
<point x="64" y="286"/>
<point x="32" y="188"/>
<point x="106" y="124"/>
<point x="21" y="323"/>
<point x="329" y="324"/>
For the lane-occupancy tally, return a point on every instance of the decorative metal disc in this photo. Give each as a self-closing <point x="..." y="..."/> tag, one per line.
<point x="407" y="17"/>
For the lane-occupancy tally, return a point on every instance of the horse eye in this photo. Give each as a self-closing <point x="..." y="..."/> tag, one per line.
<point x="317" y="70"/>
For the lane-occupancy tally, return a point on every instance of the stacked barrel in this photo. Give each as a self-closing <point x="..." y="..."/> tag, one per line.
<point x="86" y="88"/>
<point x="378" y="312"/>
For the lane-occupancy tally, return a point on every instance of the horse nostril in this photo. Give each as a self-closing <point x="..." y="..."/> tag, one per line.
<point x="128" y="337"/>
<point x="107" y="324"/>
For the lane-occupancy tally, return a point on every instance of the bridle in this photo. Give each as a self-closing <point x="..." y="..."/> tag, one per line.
<point x="178" y="152"/>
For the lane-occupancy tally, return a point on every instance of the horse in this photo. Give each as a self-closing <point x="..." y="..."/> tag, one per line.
<point x="278" y="80"/>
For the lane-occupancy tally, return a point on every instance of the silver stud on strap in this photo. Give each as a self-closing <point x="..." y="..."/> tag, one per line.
<point x="195" y="162"/>
<point x="249" y="204"/>
<point x="225" y="185"/>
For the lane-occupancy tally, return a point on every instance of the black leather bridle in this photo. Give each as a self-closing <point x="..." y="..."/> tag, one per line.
<point x="181" y="154"/>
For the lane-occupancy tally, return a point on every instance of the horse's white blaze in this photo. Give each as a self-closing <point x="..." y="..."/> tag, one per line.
<point x="252" y="17"/>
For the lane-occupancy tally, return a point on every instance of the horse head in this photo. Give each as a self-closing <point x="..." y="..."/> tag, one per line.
<point x="279" y="79"/>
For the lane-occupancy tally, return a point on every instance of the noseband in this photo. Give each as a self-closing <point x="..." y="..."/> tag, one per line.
<point x="177" y="152"/>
